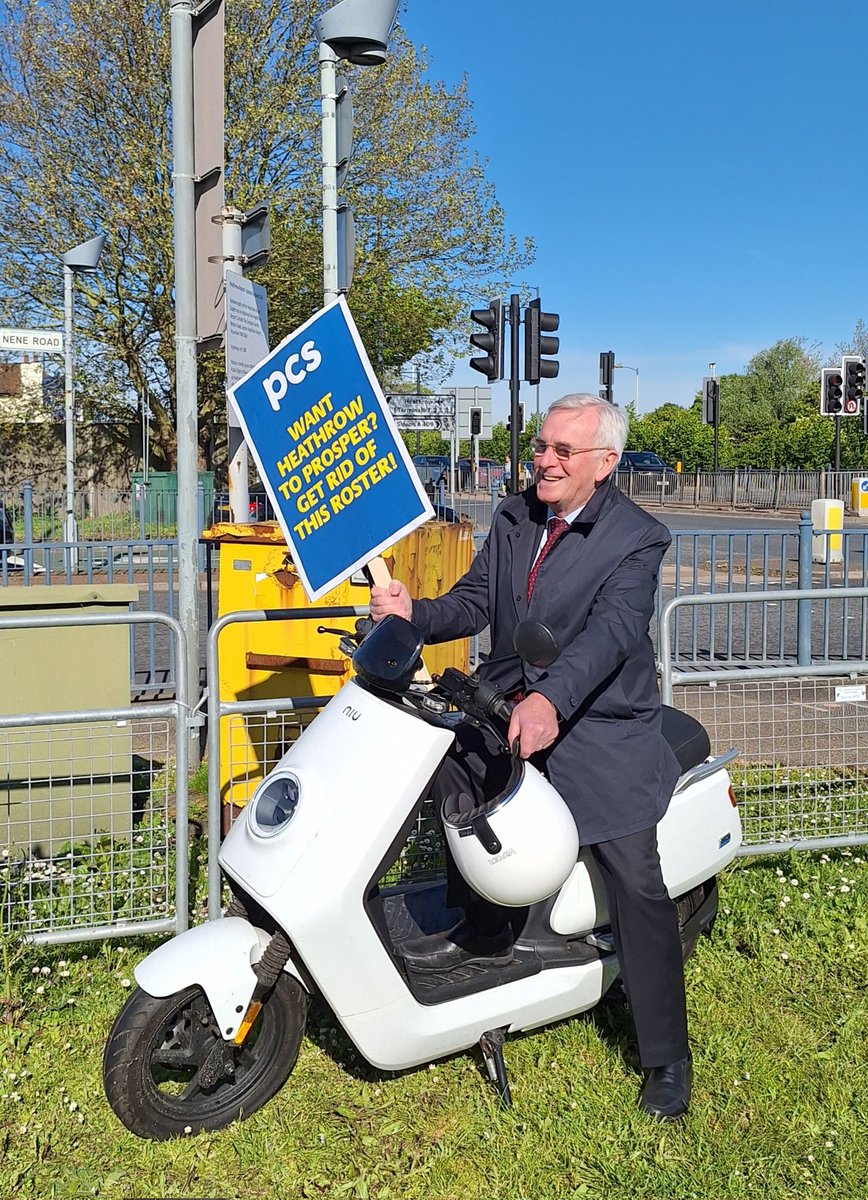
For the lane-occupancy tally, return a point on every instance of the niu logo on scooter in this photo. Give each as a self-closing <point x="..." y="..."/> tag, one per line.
<point x="352" y="713"/>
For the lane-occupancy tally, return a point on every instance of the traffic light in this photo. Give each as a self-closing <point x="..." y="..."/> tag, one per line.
<point x="710" y="401"/>
<point x="520" y="419"/>
<point x="854" y="384"/>
<point x="537" y="345"/>
<point x="475" y="422"/>
<point x="490" y="342"/>
<point x="831" y="392"/>
<point x="607" y="375"/>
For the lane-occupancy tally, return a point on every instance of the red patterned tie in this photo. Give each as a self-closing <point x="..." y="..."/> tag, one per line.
<point x="557" y="526"/>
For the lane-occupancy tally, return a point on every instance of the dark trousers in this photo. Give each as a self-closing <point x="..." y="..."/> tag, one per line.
<point x="643" y="918"/>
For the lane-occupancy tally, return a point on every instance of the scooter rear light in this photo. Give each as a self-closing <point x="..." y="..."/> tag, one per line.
<point x="732" y="798"/>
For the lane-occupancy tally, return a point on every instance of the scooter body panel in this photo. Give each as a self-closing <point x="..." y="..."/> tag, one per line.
<point x="219" y="957"/>
<point x="361" y="766"/>
<point x="407" y="1034"/>
<point x="697" y="837"/>
<point x="699" y="834"/>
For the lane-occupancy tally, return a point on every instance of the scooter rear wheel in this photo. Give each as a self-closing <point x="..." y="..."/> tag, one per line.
<point x="689" y="904"/>
<point x="153" y="1061"/>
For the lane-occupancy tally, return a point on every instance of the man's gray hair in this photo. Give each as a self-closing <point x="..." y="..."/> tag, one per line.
<point x="613" y="423"/>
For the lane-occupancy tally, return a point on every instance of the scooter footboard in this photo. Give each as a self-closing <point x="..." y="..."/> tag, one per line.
<point x="219" y="957"/>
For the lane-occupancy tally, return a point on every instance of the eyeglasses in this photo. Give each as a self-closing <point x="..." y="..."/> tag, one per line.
<point x="561" y="449"/>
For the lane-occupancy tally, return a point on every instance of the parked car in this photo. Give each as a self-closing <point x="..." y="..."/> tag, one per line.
<point x="430" y="467"/>
<point x="490" y="472"/>
<point x="648" y="470"/>
<point x="222" y="513"/>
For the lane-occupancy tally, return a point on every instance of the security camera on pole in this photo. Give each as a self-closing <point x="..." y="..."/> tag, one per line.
<point x="358" y="31"/>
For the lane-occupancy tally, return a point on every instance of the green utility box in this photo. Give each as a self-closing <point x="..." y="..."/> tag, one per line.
<point x="160" y="496"/>
<point x="64" y="783"/>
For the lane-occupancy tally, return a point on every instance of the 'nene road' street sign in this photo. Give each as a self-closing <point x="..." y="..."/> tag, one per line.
<point x="33" y="341"/>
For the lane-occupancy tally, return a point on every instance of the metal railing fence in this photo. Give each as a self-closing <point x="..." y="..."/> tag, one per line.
<point x="95" y="809"/>
<point x="719" y="562"/>
<point x="801" y="731"/>
<point x="739" y="488"/>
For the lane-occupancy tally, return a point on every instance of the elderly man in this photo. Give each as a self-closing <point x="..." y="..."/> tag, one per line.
<point x="577" y="555"/>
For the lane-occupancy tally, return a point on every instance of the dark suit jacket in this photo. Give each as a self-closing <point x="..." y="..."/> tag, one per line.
<point x="595" y="591"/>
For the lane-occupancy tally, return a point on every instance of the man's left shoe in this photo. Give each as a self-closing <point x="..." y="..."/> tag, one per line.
<point x="666" y="1092"/>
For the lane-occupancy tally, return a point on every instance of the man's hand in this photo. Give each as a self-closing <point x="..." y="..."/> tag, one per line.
<point x="535" y="722"/>
<point x="393" y="599"/>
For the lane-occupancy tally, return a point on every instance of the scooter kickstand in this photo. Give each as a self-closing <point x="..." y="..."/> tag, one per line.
<point x="491" y="1044"/>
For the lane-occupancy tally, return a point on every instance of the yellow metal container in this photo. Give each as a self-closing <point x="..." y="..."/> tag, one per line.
<point x="274" y="659"/>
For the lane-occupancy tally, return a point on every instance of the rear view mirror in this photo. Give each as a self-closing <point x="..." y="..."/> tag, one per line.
<point x="535" y="644"/>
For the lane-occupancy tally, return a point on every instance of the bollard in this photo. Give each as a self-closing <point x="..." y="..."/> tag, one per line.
<point x="806" y="580"/>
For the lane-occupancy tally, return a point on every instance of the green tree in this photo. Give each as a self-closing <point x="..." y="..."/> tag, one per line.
<point x="677" y="434"/>
<point x="85" y="143"/>
<point x="778" y="387"/>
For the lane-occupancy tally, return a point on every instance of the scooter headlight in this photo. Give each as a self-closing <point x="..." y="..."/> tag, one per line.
<point x="273" y="805"/>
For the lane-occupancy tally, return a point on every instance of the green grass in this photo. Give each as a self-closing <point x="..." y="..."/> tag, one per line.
<point x="778" y="1011"/>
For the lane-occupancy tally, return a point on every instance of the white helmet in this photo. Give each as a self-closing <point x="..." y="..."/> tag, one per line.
<point x="518" y="848"/>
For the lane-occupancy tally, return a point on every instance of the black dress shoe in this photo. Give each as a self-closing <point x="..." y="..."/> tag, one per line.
<point x="666" y="1093"/>
<point x="460" y="946"/>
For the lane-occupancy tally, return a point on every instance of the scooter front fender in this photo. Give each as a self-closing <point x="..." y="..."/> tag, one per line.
<point x="219" y="957"/>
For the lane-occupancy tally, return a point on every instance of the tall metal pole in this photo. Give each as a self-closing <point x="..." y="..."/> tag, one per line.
<point x="514" y="388"/>
<point x="70" y="529"/>
<point x="536" y="386"/>
<point x="328" y="89"/>
<point x="239" y="482"/>
<point x="183" y="171"/>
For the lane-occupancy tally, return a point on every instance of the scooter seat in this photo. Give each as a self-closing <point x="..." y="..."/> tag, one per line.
<point x="687" y="738"/>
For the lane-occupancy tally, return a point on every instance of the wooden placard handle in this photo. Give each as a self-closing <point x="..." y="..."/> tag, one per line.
<point x="381" y="576"/>
<point x="379" y="572"/>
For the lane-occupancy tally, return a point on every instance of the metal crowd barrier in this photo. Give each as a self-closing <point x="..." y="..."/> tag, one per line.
<point x="95" y="809"/>
<point x="801" y="731"/>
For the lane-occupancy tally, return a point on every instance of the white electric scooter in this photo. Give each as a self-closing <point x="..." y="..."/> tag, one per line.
<point x="214" y="1029"/>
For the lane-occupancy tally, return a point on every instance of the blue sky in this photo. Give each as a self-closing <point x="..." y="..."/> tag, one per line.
<point x="694" y="173"/>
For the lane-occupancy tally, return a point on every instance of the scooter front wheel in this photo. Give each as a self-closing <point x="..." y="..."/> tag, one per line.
<point x="168" y="1072"/>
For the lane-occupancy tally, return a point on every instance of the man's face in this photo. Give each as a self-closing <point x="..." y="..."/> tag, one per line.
<point x="566" y="483"/>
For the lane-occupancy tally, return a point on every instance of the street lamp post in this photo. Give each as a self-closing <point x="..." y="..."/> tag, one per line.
<point x="81" y="260"/>
<point x="625" y="367"/>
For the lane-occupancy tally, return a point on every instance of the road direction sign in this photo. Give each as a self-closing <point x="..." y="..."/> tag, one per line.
<point x="418" y="411"/>
<point x="32" y="341"/>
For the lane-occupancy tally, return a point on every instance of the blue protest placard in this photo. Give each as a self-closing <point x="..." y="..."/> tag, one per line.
<point x="327" y="449"/>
